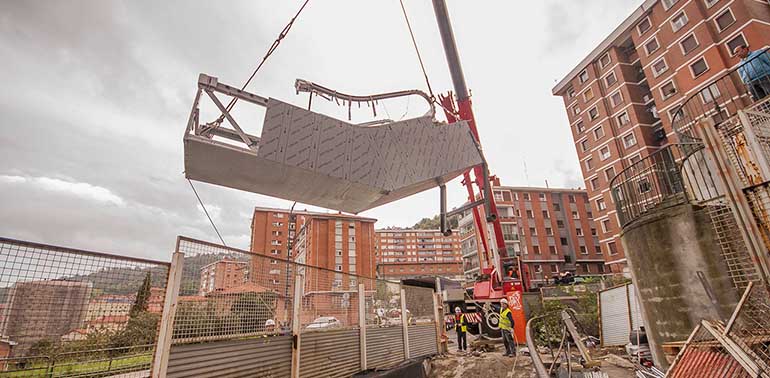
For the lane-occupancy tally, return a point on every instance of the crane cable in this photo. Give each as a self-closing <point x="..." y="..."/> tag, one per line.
<point x="422" y="66"/>
<point x="270" y="51"/>
<point x="207" y="213"/>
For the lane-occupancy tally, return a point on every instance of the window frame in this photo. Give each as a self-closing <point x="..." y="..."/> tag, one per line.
<point x="674" y="18"/>
<point x="601" y="154"/>
<point x="667" y="96"/>
<point x="596" y="108"/>
<point x="710" y="3"/>
<point x="657" y="47"/>
<point x="702" y="58"/>
<point x="720" y="14"/>
<point x="601" y="205"/>
<point x="740" y="35"/>
<point x="625" y="113"/>
<point x="609" y="60"/>
<point x="586" y="92"/>
<point x="583" y="145"/>
<point x="580" y="126"/>
<point x="633" y="136"/>
<point x="649" y="27"/>
<point x="681" y="43"/>
<point x="655" y="72"/>
<point x="612" y="98"/>
<point x="614" y="77"/>
<point x="668" y="6"/>
<point x="580" y="76"/>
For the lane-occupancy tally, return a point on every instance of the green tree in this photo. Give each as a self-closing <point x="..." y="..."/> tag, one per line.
<point x="252" y="310"/>
<point x="435" y="223"/>
<point x="142" y="297"/>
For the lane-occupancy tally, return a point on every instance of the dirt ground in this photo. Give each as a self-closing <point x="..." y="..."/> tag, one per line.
<point x="493" y="365"/>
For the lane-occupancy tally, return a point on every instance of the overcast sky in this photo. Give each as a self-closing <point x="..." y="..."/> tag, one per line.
<point x="96" y="95"/>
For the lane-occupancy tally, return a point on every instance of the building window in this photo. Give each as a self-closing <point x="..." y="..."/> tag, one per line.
<point x="560" y="223"/>
<point x="595" y="183"/>
<point x="583" y="76"/>
<point x="529" y="214"/>
<point x="526" y="196"/>
<point x="600" y="268"/>
<point x="532" y="231"/>
<point x="688" y="44"/>
<point x="606" y="226"/>
<point x="584" y="145"/>
<point x="278" y="215"/>
<point x="644" y="186"/>
<point x="724" y="20"/>
<point x="583" y="250"/>
<point x="556" y="207"/>
<point x="629" y="140"/>
<point x="605" y="60"/>
<point x="589" y="164"/>
<point x="599" y="132"/>
<point x="536" y="249"/>
<point x="277" y="224"/>
<point x="552" y="249"/>
<point x="679" y="21"/>
<point x="588" y="94"/>
<point x="575" y="215"/>
<point x="548" y="231"/>
<point x="571" y="198"/>
<point x="643" y="26"/>
<point x="275" y="242"/>
<point x="635" y="159"/>
<point x="611" y="79"/>
<point x="604" y="153"/>
<point x="659" y="67"/>
<point x="570" y="92"/>
<point x="598" y="250"/>
<point x="623" y="119"/>
<point x="545" y="214"/>
<point x="579" y="231"/>
<point x="709" y="93"/>
<point x="609" y="173"/>
<point x="699" y="67"/>
<point x="710" y="3"/>
<point x="734" y="43"/>
<point x="541" y="196"/>
<point x="651" y="46"/>
<point x="667" y="4"/>
<point x="601" y="205"/>
<point x="613" y="249"/>
<point x="667" y="90"/>
<point x="580" y="127"/>
<point x="576" y="110"/>
<point x="593" y="113"/>
<point x="616" y="98"/>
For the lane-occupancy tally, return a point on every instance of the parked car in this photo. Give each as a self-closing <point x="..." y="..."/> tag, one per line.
<point x="324" y="322"/>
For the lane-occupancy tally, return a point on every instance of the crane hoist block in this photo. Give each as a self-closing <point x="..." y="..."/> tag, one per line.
<point x="319" y="160"/>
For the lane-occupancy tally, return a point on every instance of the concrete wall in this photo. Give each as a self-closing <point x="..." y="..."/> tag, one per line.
<point x="665" y="250"/>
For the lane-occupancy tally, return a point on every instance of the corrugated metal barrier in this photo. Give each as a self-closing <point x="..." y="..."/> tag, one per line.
<point x="384" y="347"/>
<point x="422" y="340"/>
<point x="330" y="353"/>
<point x="617" y="319"/>
<point x="265" y="357"/>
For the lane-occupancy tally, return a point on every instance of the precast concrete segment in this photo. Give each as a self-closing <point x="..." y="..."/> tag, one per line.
<point x="315" y="159"/>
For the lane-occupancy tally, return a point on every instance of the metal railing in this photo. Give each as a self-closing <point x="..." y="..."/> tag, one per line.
<point x="67" y="312"/>
<point x="673" y="175"/>
<point x="737" y="89"/>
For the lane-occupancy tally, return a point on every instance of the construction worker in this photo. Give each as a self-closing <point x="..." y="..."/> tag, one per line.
<point x="506" y="328"/>
<point x="461" y="326"/>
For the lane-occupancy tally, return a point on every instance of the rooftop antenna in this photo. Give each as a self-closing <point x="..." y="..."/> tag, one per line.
<point x="546" y="183"/>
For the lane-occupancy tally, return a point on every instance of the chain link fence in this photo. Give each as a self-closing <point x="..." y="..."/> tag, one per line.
<point x="66" y="312"/>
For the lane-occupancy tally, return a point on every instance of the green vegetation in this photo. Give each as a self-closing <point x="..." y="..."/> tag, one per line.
<point x="548" y="331"/>
<point x="247" y="314"/>
<point x="435" y="223"/>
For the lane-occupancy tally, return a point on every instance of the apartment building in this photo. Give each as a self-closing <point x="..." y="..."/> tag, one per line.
<point x="622" y="97"/>
<point x="410" y="253"/>
<point x="223" y="274"/>
<point x="551" y="230"/>
<point x="337" y="242"/>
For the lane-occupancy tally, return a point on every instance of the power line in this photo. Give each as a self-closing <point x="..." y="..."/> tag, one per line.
<point x="207" y="213"/>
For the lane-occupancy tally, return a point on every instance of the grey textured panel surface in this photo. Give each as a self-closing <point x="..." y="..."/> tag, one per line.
<point x="384" y="347"/>
<point x="268" y="357"/>
<point x="615" y="321"/>
<point x="330" y="353"/>
<point x="322" y="161"/>
<point x="422" y="340"/>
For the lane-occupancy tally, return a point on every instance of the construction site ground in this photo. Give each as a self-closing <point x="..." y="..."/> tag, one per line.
<point x="494" y="365"/>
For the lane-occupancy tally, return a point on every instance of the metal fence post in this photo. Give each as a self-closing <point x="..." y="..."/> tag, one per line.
<point x="165" y="333"/>
<point x="439" y="321"/>
<point x="405" y="324"/>
<point x="296" y="324"/>
<point x="362" y="324"/>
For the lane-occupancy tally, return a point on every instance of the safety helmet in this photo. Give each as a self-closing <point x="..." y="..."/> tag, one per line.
<point x="457" y="310"/>
<point x="269" y="322"/>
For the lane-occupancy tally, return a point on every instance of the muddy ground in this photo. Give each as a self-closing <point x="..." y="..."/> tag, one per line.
<point x="493" y="365"/>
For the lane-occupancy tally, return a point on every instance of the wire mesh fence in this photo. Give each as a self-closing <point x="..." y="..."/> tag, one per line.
<point x="226" y="293"/>
<point x="67" y="312"/>
<point x="752" y="325"/>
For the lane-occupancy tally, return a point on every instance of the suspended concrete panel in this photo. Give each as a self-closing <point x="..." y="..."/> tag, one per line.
<point x="315" y="159"/>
